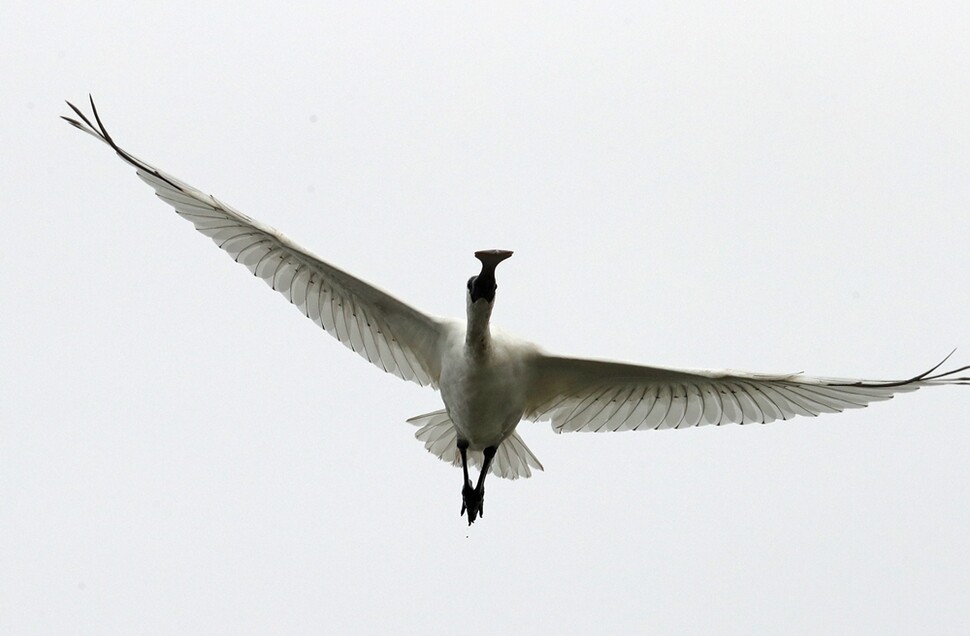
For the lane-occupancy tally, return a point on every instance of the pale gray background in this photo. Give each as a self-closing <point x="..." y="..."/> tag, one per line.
<point x="773" y="187"/>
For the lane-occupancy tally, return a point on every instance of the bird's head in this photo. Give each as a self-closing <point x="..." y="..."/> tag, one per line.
<point x="482" y="287"/>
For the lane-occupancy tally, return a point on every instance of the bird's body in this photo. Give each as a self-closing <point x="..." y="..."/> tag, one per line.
<point x="490" y="382"/>
<point x="485" y="389"/>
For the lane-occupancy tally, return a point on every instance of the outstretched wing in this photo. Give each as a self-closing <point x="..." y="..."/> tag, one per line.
<point x="593" y="395"/>
<point x="387" y="332"/>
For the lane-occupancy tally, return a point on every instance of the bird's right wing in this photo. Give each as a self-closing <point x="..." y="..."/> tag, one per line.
<point x="387" y="332"/>
<point x="598" y="395"/>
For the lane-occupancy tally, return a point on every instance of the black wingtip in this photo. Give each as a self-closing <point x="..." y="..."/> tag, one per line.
<point x="101" y="128"/>
<point x="947" y="375"/>
<point x="101" y="132"/>
<point x="930" y="375"/>
<point x="72" y="122"/>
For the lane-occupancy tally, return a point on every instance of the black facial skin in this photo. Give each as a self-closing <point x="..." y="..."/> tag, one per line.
<point x="482" y="286"/>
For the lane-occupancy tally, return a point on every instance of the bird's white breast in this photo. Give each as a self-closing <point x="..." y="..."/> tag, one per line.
<point x="485" y="394"/>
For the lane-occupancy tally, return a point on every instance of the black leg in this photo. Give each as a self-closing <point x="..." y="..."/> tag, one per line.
<point x="472" y="498"/>
<point x="463" y="449"/>
<point x="480" y="487"/>
<point x="466" y="488"/>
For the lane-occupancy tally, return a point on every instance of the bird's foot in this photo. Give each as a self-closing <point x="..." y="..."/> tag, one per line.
<point x="472" y="501"/>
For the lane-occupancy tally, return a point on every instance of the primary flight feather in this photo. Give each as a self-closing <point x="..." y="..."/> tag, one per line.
<point x="490" y="382"/>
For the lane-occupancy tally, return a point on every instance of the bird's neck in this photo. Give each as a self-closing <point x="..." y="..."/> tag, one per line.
<point x="477" y="335"/>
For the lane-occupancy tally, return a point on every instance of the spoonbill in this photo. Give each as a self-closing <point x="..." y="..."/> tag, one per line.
<point x="490" y="382"/>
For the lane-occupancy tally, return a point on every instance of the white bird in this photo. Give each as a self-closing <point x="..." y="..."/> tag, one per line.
<point x="490" y="382"/>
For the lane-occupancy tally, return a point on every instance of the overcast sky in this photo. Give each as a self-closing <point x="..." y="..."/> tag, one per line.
<point x="773" y="187"/>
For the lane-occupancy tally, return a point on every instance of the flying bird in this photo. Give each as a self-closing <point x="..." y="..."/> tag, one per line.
<point x="489" y="382"/>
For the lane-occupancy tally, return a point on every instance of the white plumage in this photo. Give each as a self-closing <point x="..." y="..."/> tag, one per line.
<point x="489" y="383"/>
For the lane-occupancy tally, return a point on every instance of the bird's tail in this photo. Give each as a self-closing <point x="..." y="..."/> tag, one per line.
<point x="513" y="459"/>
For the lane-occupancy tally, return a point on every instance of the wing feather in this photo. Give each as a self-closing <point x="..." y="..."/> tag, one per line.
<point x="712" y="405"/>
<point x="659" y="408"/>
<point x="641" y="406"/>
<point x="593" y="395"/>
<point x="387" y="332"/>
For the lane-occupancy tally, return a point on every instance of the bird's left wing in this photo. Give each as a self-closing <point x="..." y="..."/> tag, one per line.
<point x="389" y="333"/>
<point x="593" y="395"/>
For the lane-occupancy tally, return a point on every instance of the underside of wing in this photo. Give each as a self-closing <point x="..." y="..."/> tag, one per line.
<point x="601" y="396"/>
<point x="387" y="332"/>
